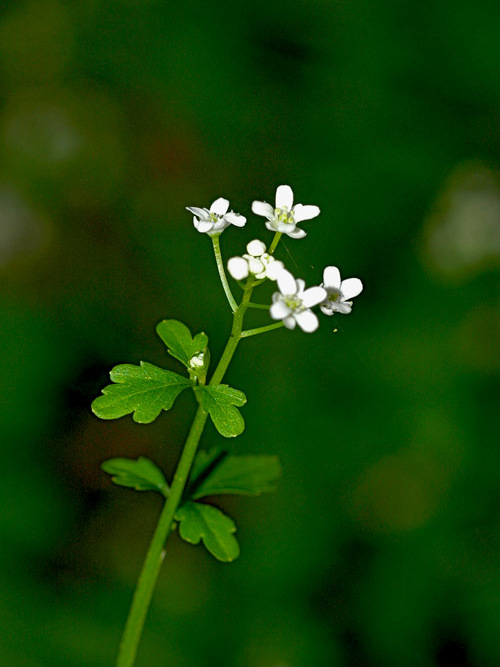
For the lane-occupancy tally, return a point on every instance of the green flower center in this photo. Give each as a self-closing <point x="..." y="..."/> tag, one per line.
<point x="334" y="296"/>
<point x="292" y="302"/>
<point x="214" y="217"/>
<point x="284" y="215"/>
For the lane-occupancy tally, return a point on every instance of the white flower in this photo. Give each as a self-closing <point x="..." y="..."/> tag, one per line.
<point x="258" y="262"/>
<point x="285" y="216"/>
<point x="292" y="303"/>
<point x="215" y="220"/>
<point x="338" y="291"/>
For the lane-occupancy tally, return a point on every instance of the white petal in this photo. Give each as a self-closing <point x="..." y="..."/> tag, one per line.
<point x="202" y="225"/>
<point x="255" y="265"/>
<point x="218" y="228"/>
<point x="343" y="307"/>
<point x="263" y="208"/>
<point x="256" y="248"/>
<point x="351" y="288"/>
<point x="331" y="277"/>
<point x="202" y="213"/>
<point x="274" y="269"/>
<point x="284" y="227"/>
<point x="235" y="219"/>
<point x="284" y="197"/>
<point x="301" y="285"/>
<point x="302" y="212"/>
<point x="286" y="283"/>
<point x="279" y="310"/>
<point x="326" y="308"/>
<point x="307" y="320"/>
<point x="238" y="268"/>
<point x="296" y="233"/>
<point x="289" y="322"/>
<point x="271" y="225"/>
<point x="313" y="296"/>
<point x="220" y="206"/>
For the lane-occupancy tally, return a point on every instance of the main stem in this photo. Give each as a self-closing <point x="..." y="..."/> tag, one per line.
<point x="154" y="558"/>
<point x="156" y="552"/>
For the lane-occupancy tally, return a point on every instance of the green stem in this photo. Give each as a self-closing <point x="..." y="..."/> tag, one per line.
<point x="235" y="336"/>
<point x="263" y="306"/>
<point x="222" y="273"/>
<point x="275" y="242"/>
<point x="156" y="552"/>
<point x="154" y="558"/>
<point x="259" y="330"/>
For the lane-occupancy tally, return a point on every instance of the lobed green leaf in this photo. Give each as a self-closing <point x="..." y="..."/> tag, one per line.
<point x="180" y="344"/>
<point x="204" y="522"/>
<point x="143" y="390"/>
<point x="214" y="474"/>
<point x="220" y="401"/>
<point x="140" y="474"/>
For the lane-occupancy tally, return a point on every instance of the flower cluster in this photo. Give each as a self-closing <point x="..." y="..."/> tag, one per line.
<point x="292" y="304"/>
<point x="257" y="262"/>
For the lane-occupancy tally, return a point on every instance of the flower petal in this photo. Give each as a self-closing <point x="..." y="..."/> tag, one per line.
<point x="279" y="310"/>
<point x="202" y="213"/>
<point x="256" y="248"/>
<point x="238" y="267"/>
<point x="301" y="285"/>
<point x="296" y="233"/>
<point x="343" y="307"/>
<point x="235" y="219"/>
<point x="284" y="197"/>
<point x="255" y="265"/>
<point x="220" y="206"/>
<point x="286" y="283"/>
<point x="326" y="308"/>
<point x="263" y="208"/>
<point x="220" y="225"/>
<point x="313" y="296"/>
<point x="273" y="269"/>
<point x="351" y="288"/>
<point x="290" y="322"/>
<point x="202" y="225"/>
<point x="307" y="320"/>
<point x="284" y="227"/>
<point x="331" y="277"/>
<point x="270" y="224"/>
<point x="302" y="212"/>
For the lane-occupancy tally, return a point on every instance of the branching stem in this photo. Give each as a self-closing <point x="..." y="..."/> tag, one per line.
<point x="262" y="306"/>
<point x="156" y="552"/>
<point x="260" y="330"/>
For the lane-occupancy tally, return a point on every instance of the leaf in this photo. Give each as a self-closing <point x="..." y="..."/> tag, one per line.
<point x="242" y="475"/>
<point x="141" y="474"/>
<point x="204" y="522"/>
<point x="143" y="390"/>
<point x="204" y="464"/>
<point x="205" y="461"/>
<point x="179" y="342"/>
<point x="219" y="402"/>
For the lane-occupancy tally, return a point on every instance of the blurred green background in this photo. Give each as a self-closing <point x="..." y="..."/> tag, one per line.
<point x="382" y="546"/>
